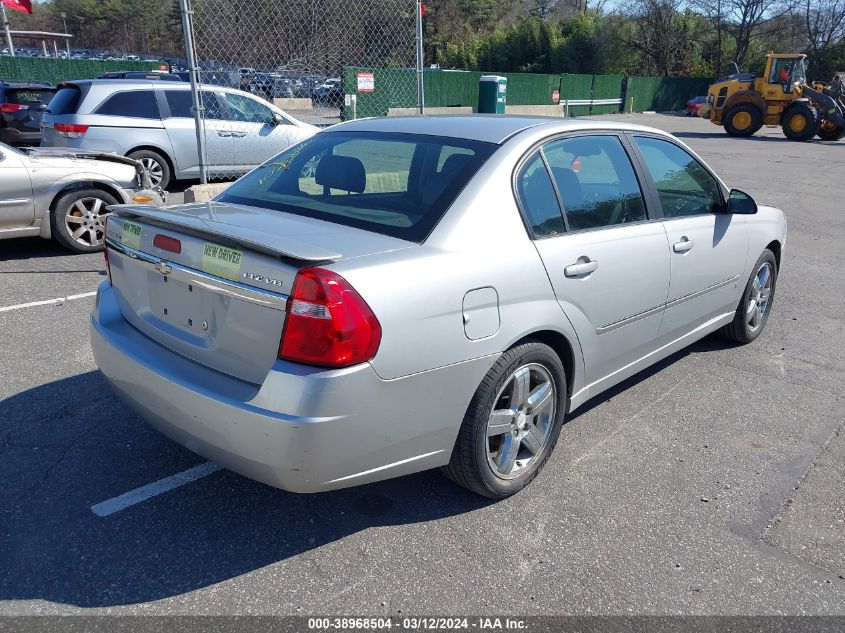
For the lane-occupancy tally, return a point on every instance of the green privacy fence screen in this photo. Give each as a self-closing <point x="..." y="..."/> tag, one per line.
<point x="662" y="93"/>
<point x="56" y="70"/>
<point x="393" y="88"/>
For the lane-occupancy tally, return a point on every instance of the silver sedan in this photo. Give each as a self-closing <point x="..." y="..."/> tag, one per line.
<point x="393" y="295"/>
<point x="65" y="194"/>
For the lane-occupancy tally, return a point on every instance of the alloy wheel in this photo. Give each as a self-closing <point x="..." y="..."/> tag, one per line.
<point x="155" y="170"/>
<point x="759" y="298"/>
<point x="521" y="420"/>
<point x="85" y="221"/>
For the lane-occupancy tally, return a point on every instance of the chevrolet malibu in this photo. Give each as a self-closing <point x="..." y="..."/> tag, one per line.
<point x="393" y="295"/>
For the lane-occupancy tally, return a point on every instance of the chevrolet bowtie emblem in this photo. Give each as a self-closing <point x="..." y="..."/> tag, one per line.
<point x="163" y="268"/>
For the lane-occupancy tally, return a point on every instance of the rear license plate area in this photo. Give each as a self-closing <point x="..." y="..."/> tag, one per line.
<point x="181" y="305"/>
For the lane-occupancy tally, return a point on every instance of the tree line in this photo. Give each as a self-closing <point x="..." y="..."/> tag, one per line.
<point x="638" y="37"/>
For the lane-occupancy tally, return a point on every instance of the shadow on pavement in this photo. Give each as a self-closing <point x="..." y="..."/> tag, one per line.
<point x="70" y="444"/>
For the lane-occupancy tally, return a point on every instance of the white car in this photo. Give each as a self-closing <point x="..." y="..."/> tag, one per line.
<point x="65" y="194"/>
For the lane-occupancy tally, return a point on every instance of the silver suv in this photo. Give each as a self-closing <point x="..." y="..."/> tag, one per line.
<point x="152" y="121"/>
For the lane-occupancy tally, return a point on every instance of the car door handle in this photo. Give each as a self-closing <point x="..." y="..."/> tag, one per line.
<point x="223" y="134"/>
<point x="237" y="134"/>
<point x="683" y="246"/>
<point x="580" y="268"/>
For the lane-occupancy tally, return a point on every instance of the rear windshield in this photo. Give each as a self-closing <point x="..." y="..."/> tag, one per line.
<point x="65" y="101"/>
<point x="29" y="96"/>
<point x="395" y="184"/>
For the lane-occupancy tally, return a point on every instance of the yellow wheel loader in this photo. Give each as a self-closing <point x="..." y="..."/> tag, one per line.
<point x="743" y="103"/>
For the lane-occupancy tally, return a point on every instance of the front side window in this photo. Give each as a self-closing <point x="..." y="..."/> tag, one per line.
<point x="684" y="187"/>
<point x="248" y="110"/>
<point x="139" y="104"/>
<point x="383" y="182"/>
<point x="538" y="198"/>
<point x="596" y="181"/>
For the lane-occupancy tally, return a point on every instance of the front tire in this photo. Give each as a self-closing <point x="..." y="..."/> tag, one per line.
<point x="800" y="122"/>
<point x="743" y="120"/>
<point x="754" y="308"/>
<point x="78" y="219"/>
<point x="156" y="164"/>
<point x="512" y="423"/>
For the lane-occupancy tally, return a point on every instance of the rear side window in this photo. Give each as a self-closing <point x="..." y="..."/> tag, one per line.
<point x="65" y="101"/>
<point x="596" y="181"/>
<point x="27" y="96"/>
<point x="383" y="182"/>
<point x="538" y="198"/>
<point x="139" y="104"/>
<point x="181" y="103"/>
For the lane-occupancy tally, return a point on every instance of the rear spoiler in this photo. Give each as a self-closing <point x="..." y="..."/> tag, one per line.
<point x="274" y="245"/>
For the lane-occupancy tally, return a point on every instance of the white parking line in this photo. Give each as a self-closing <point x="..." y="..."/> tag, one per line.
<point x="121" y="502"/>
<point x="47" y="302"/>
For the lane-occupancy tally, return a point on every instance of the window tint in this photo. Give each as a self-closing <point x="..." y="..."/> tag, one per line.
<point x="139" y="104"/>
<point x="596" y="181"/>
<point x="180" y="103"/>
<point x="65" y="101"/>
<point x="248" y="110"/>
<point x="683" y="185"/>
<point x="387" y="165"/>
<point x="383" y="182"/>
<point x="538" y="198"/>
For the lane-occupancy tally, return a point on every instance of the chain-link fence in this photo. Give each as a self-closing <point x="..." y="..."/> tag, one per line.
<point x="266" y="65"/>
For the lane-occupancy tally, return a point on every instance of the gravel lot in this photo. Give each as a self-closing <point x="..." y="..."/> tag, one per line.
<point x="712" y="483"/>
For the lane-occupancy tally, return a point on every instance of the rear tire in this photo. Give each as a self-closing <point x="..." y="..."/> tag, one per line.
<point x="749" y="319"/>
<point x="156" y="164"/>
<point x="506" y="436"/>
<point x="800" y="122"/>
<point x="743" y="120"/>
<point x="830" y="132"/>
<point x="81" y="212"/>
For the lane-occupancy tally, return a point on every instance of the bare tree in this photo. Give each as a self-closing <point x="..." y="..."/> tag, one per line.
<point x="658" y="39"/>
<point x="825" y="23"/>
<point x="746" y="18"/>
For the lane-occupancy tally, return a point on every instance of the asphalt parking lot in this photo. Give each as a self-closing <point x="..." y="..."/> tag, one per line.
<point x="712" y="483"/>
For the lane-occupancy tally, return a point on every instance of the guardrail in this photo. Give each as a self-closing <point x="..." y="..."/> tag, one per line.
<point x="566" y="103"/>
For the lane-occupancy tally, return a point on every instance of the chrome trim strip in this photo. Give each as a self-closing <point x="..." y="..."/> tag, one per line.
<point x="218" y="285"/>
<point x="703" y="291"/>
<point x="8" y="203"/>
<point x="604" y="329"/>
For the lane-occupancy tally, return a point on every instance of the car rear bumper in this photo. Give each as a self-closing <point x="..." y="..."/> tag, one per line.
<point x="303" y="429"/>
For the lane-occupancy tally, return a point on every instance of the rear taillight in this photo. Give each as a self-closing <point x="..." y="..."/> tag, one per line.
<point x="106" y="246"/>
<point x="11" y="107"/>
<point x="328" y="323"/>
<point x="70" y="130"/>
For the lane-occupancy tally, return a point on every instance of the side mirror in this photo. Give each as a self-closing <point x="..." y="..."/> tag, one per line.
<point x="741" y="203"/>
<point x="277" y="119"/>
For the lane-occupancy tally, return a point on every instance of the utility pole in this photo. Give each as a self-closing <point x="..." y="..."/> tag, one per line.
<point x="9" y="42"/>
<point x="420" y="81"/>
<point x="188" y="28"/>
<point x="67" y="41"/>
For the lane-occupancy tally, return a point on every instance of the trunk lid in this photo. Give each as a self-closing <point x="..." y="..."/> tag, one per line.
<point x="220" y="300"/>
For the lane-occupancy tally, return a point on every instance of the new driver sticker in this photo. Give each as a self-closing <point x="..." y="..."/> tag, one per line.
<point x="221" y="261"/>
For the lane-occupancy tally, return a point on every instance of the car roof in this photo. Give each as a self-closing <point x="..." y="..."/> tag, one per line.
<point x="489" y="128"/>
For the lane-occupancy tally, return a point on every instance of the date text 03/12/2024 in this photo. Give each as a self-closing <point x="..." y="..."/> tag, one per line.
<point x="417" y="623"/>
